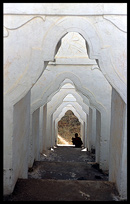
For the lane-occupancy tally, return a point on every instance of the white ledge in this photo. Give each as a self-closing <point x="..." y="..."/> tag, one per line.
<point x="66" y="8"/>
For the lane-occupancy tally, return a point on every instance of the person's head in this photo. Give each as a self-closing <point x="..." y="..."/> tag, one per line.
<point x="76" y="134"/>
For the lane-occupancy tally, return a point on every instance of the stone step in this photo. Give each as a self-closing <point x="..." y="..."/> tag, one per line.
<point x="66" y="171"/>
<point x="63" y="190"/>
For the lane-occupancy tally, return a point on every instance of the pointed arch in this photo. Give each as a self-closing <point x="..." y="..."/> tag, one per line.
<point x="93" y="43"/>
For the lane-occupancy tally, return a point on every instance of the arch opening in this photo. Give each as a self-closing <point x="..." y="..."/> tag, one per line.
<point x="96" y="50"/>
<point x="67" y="127"/>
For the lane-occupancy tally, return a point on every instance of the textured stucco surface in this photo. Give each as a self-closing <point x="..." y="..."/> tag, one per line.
<point x="21" y="138"/>
<point x="118" y="121"/>
<point x="45" y="47"/>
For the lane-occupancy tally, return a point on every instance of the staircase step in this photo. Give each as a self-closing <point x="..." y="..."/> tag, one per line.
<point x="63" y="190"/>
<point x="65" y="171"/>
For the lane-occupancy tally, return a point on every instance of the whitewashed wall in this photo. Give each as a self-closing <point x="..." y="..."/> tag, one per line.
<point x="118" y="144"/>
<point x="32" y="37"/>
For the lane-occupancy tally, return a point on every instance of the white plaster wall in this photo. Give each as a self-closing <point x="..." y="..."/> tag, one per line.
<point x="123" y="186"/>
<point x="88" y="139"/>
<point x="21" y="122"/>
<point x="22" y="55"/>
<point x="8" y="132"/>
<point x="93" y="137"/>
<point x="82" y="133"/>
<point x="31" y="155"/>
<point x="44" y="125"/>
<point x="104" y="141"/>
<point x="35" y="134"/>
<point x="90" y="128"/>
<point x="66" y="9"/>
<point x="41" y="125"/>
<point x="48" y="128"/>
<point x="98" y="135"/>
<point x="21" y="70"/>
<point x="30" y="40"/>
<point x="118" y="145"/>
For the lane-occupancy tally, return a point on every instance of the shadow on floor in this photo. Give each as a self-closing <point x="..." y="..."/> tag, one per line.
<point x="65" y="173"/>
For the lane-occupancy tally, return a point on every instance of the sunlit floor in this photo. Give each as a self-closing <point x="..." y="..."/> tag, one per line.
<point x="63" y="141"/>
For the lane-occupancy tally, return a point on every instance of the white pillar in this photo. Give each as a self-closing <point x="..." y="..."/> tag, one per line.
<point x="35" y="134"/>
<point x="49" y="128"/>
<point x="56" y="132"/>
<point x="44" y="125"/>
<point x="93" y="136"/>
<point x="53" y="133"/>
<point x="102" y="139"/>
<point x="16" y="142"/>
<point x="8" y="138"/>
<point x="85" y="131"/>
<point x="30" y="157"/>
<point x="118" y="144"/>
<point x="90" y="128"/>
<point x="98" y="133"/>
<point x="88" y="146"/>
<point x="41" y="130"/>
<point x="82" y="130"/>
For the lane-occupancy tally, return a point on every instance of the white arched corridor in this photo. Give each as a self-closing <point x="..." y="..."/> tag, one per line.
<point x="54" y="63"/>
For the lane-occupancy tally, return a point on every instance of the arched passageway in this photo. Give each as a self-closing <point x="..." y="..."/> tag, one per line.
<point x="36" y="84"/>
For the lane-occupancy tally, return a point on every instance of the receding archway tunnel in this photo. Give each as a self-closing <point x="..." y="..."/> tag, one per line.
<point x="101" y="127"/>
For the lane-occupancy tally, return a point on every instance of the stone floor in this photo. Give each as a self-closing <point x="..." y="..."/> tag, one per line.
<point x="67" y="163"/>
<point x="65" y="173"/>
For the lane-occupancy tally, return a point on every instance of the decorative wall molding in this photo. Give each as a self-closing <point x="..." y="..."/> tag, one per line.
<point x="116" y="21"/>
<point x="20" y="24"/>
